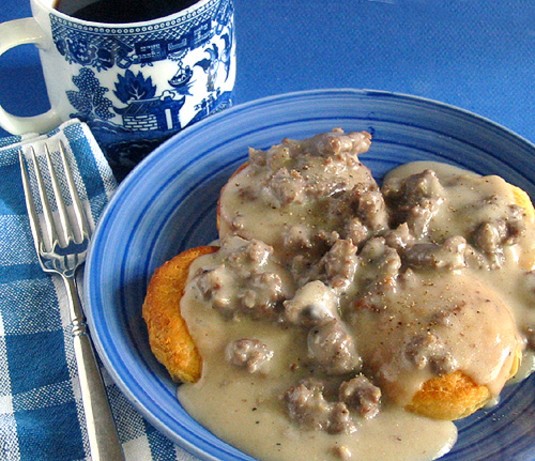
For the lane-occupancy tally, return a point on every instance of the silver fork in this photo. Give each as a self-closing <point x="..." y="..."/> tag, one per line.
<point x="61" y="241"/>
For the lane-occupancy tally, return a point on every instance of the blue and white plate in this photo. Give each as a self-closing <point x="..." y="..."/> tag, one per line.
<point x="168" y="204"/>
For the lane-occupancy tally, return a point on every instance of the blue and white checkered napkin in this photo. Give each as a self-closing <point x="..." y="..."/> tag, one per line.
<point x="41" y="414"/>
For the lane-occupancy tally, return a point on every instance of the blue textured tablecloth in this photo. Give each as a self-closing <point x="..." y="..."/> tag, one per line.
<point x="41" y="414"/>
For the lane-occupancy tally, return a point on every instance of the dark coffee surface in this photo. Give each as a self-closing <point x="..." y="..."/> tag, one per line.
<point x="122" y="11"/>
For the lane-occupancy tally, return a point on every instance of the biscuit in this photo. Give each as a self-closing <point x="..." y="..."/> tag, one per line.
<point x="456" y="395"/>
<point x="452" y="396"/>
<point x="169" y="338"/>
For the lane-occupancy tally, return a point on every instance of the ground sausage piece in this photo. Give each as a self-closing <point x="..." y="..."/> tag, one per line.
<point x="337" y="264"/>
<point x="246" y="255"/>
<point x="241" y="283"/>
<point x="390" y="265"/>
<point x="278" y="157"/>
<point x="384" y="259"/>
<point x="381" y="265"/>
<point x="261" y="295"/>
<point x="419" y="217"/>
<point x="414" y="200"/>
<point x="337" y="142"/>
<point x="284" y="188"/>
<point x="372" y="210"/>
<point x="355" y="231"/>
<point x="340" y="419"/>
<point x="333" y="348"/>
<point x="491" y="236"/>
<point x="213" y="285"/>
<point x="374" y="249"/>
<point x="307" y="406"/>
<point x="257" y="295"/>
<point x="488" y="237"/>
<point x="400" y="237"/>
<point x="448" y="255"/>
<point x="427" y="350"/>
<point x="313" y="304"/>
<point x="298" y="238"/>
<point x="251" y="354"/>
<point x="340" y="264"/>
<point x="360" y="394"/>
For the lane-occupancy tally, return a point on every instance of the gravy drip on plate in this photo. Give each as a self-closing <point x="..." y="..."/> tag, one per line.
<point x="331" y="301"/>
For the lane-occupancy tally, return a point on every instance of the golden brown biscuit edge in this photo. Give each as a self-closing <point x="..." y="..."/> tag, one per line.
<point x="169" y="338"/>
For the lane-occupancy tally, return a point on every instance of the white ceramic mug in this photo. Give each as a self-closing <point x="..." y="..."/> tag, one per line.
<point x="135" y="84"/>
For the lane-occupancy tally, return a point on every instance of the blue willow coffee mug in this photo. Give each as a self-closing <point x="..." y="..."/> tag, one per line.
<point x="134" y="83"/>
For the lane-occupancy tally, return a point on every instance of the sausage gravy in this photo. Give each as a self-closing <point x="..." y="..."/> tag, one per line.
<point x="331" y="301"/>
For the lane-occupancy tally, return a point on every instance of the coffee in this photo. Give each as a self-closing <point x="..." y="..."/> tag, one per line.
<point x="121" y="11"/>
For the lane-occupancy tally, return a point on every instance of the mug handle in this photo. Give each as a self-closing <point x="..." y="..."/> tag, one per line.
<point x="22" y="32"/>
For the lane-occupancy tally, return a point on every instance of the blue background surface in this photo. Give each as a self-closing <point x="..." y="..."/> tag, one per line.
<point x="476" y="54"/>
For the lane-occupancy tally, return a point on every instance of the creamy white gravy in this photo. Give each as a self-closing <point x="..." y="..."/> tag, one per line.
<point x="246" y="410"/>
<point x="462" y="300"/>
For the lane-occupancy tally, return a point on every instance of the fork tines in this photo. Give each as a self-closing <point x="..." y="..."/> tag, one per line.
<point x="45" y="181"/>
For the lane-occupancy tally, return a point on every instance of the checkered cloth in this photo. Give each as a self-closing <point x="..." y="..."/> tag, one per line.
<point x="41" y="414"/>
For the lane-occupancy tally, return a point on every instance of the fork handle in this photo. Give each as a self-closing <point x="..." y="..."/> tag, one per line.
<point x="102" y="433"/>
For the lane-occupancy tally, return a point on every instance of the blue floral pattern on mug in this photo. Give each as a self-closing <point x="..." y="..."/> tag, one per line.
<point x="103" y="47"/>
<point x="168" y="74"/>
